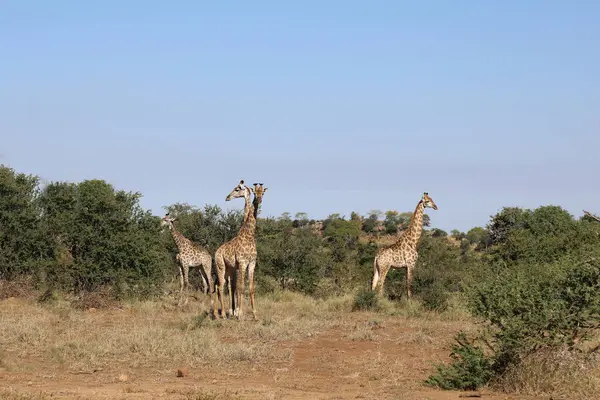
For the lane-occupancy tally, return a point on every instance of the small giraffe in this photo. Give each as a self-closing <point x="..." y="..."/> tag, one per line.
<point x="234" y="257"/>
<point x="190" y="255"/>
<point x="403" y="253"/>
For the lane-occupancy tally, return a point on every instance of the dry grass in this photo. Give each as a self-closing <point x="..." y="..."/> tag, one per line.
<point x="11" y="394"/>
<point x="294" y="338"/>
<point x="559" y="374"/>
<point x="152" y="333"/>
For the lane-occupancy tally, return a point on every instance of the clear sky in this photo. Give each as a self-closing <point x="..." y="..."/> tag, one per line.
<point x="335" y="105"/>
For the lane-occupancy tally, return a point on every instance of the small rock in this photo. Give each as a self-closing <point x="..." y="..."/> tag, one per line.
<point x="309" y="335"/>
<point x="91" y="309"/>
<point x="183" y="371"/>
<point x="123" y="378"/>
<point x="213" y="381"/>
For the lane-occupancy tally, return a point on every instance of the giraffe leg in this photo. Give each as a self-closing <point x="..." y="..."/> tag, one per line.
<point x="383" y="273"/>
<point x="231" y="287"/>
<point x="220" y="267"/>
<point x="207" y="275"/>
<point x="230" y="292"/>
<point x="375" y="275"/>
<point x="239" y="290"/>
<point x="186" y="272"/>
<point x="409" y="278"/>
<point x="251" y="267"/>
<point x="181" y="283"/>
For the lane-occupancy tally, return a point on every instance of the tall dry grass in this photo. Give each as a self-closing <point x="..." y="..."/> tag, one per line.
<point x="559" y="374"/>
<point x="155" y="333"/>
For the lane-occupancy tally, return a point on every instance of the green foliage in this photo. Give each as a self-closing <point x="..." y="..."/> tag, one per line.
<point x="542" y="235"/>
<point x="294" y="257"/>
<point x="470" y="367"/>
<point x="391" y="222"/>
<point x="24" y="247"/>
<point x="458" y="235"/>
<point x="370" y="223"/>
<point x="365" y="300"/>
<point x="101" y="237"/>
<point x="546" y="306"/>
<point x="210" y="227"/>
<point x="435" y="297"/>
<point x="436" y="232"/>
<point x="479" y="237"/>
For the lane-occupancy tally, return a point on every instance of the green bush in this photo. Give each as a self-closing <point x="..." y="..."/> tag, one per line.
<point x="470" y="367"/>
<point x="527" y="310"/>
<point x="435" y="297"/>
<point x="365" y="300"/>
<point x="101" y="237"/>
<point x="24" y="245"/>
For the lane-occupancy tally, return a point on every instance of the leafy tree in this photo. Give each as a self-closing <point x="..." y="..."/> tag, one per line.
<point x="370" y="223"/>
<point x="110" y="239"/>
<point x="478" y="236"/>
<point x="354" y="216"/>
<point x="391" y="222"/>
<point x="458" y="235"/>
<point x="24" y="246"/>
<point x="436" y="232"/>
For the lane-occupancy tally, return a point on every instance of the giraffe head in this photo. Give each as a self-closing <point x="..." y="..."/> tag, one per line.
<point x="167" y="220"/>
<point x="258" y="191"/>
<point x="240" y="190"/>
<point x="428" y="201"/>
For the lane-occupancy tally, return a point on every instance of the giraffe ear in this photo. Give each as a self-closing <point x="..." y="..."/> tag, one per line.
<point x="265" y="189"/>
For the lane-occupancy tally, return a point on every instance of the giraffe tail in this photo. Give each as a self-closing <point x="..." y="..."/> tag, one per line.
<point x="375" y="275"/>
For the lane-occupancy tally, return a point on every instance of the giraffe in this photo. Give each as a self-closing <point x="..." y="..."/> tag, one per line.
<point x="403" y="253"/>
<point x="190" y="255"/>
<point x="258" y="191"/>
<point x="234" y="257"/>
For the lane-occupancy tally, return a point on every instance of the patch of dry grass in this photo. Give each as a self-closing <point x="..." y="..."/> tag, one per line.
<point x="154" y="333"/>
<point x="203" y="394"/>
<point x="12" y="394"/>
<point x="559" y="374"/>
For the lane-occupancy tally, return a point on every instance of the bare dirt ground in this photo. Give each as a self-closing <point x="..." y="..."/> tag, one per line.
<point x="299" y="348"/>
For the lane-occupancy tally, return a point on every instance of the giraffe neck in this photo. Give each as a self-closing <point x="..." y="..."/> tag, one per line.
<point x="178" y="237"/>
<point x="249" y="226"/>
<point x="415" y="229"/>
<point x="255" y="207"/>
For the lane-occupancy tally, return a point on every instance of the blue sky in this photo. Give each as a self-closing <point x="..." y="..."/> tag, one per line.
<point x="335" y="105"/>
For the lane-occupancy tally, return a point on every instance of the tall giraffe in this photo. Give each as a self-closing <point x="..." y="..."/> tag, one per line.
<point x="258" y="191"/>
<point x="234" y="257"/>
<point x="190" y="255"/>
<point x="403" y="253"/>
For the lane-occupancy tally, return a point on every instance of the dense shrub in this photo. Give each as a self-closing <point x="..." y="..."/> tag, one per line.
<point x="24" y="246"/>
<point x="101" y="237"/>
<point x="470" y="367"/>
<point x="549" y="306"/>
<point x="365" y="299"/>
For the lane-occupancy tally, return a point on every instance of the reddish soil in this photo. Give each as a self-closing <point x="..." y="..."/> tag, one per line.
<point x="325" y="366"/>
